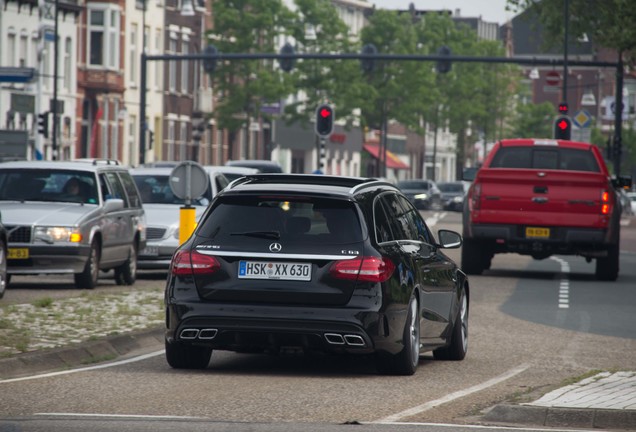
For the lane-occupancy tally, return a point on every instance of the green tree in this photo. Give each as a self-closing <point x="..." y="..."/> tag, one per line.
<point x="245" y="26"/>
<point x="609" y="23"/>
<point x="533" y="120"/>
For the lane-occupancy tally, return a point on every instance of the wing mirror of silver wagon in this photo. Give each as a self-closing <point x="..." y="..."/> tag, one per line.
<point x="113" y="204"/>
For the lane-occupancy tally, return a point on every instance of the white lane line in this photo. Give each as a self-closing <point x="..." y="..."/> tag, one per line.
<point x="89" y="368"/>
<point x="564" y="285"/>
<point x="452" y="396"/>
<point x="437" y="216"/>
<point x="468" y="426"/>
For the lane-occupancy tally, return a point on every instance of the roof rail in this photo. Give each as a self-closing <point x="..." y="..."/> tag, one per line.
<point x="314" y="179"/>
<point x="98" y="161"/>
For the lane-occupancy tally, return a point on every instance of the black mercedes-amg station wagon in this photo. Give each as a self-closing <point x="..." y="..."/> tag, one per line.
<point x="315" y="263"/>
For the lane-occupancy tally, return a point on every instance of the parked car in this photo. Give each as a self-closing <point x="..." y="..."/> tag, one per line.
<point x="632" y="201"/>
<point x="231" y="173"/>
<point x="264" y="166"/>
<point x="452" y="194"/>
<point x="4" y="280"/>
<point x="424" y="194"/>
<point x="72" y="217"/>
<point x="315" y="263"/>
<point x="163" y="214"/>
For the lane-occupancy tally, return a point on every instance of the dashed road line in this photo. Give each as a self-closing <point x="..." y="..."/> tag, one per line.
<point x="564" y="285"/>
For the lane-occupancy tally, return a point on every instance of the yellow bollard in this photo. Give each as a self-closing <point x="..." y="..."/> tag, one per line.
<point x="187" y="223"/>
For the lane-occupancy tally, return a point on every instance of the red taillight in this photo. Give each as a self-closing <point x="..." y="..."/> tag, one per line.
<point x="605" y="202"/>
<point x="187" y="263"/>
<point x="369" y="269"/>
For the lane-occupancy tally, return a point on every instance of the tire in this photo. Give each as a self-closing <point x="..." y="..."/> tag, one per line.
<point x="126" y="274"/>
<point x="180" y="356"/>
<point x="4" y="280"/>
<point x="472" y="258"/>
<point x="88" y="278"/>
<point x="458" y="346"/>
<point x="607" y="267"/>
<point x="405" y="362"/>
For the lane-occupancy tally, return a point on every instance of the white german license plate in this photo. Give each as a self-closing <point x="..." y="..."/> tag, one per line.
<point x="274" y="270"/>
<point x="150" y="251"/>
<point x="536" y="232"/>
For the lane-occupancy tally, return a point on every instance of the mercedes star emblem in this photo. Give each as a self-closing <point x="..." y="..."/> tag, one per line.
<point x="275" y="247"/>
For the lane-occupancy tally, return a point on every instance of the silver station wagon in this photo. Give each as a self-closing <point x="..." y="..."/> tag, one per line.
<point x="72" y="217"/>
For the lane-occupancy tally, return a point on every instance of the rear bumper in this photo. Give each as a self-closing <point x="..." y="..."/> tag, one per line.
<point x="261" y="328"/>
<point x="562" y="240"/>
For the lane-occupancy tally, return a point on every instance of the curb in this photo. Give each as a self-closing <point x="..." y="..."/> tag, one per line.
<point x="562" y="417"/>
<point x="81" y="354"/>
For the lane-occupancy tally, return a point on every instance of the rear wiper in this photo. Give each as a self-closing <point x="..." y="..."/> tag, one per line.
<point x="274" y="235"/>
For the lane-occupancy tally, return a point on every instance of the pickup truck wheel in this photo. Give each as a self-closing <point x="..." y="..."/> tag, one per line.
<point x="472" y="258"/>
<point x="126" y="274"/>
<point x="607" y="267"/>
<point x="458" y="346"/>
<point x="181" y="356"/>
<point x="88" y="278"/>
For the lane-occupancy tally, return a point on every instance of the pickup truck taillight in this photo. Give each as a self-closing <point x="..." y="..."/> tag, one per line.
<point x="475" y="197"/>
<point x="605" y="202"/>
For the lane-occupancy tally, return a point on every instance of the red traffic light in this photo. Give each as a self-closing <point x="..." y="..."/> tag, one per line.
<point x="563" y="128"/>
<point x="563" y="108"/>
<point x="324" y="120"/>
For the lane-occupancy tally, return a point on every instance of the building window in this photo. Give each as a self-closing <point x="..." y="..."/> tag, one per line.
<point x="170" y="155"/>
<point x="158" y="64"/>
<point x="133" y="54"/>
<point x="24" y="50"/>
<point x="11" y="41"/>
<point x="172" y="65"/>
<point x="183" y="135"/>
<point x="103" y="36"/>
<point x="184" y="67"/>
<point x="68" y="55"/>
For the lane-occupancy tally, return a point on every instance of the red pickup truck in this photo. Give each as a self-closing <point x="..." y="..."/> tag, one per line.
<point x="542" y="197"/>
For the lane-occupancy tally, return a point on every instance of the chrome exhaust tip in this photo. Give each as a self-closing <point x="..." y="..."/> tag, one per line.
<point x="334" y="339"/>
<point x="208" y="333"/>
<point x="189" y="333"/>
<point x="354" y="340"/>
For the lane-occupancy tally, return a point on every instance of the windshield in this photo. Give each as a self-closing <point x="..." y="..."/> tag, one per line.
<point x="451" y="187"/>
<point x="48" y="185"/>
<point x="413" y="184"/>
<point x="155" y="189"/>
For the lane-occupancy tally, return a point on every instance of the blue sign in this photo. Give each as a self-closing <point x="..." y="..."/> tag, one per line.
<point x="582" y="119"/>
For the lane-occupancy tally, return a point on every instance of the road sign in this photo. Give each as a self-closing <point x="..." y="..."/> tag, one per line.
<point x="582" y="119"/>
<point x="553" y="78"/>
<point x="188" y="181"/>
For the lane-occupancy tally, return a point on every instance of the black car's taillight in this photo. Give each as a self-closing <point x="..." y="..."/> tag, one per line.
<point x="187" y="263"/>
<point x="370" y="269"/>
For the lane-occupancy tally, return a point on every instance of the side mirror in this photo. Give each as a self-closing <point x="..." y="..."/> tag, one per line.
<point x="113" y="204"/>
<point x="449" y="239"/>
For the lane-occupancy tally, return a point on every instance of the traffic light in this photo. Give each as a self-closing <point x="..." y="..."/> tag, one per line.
<point x="368" y="64"/>
<point x="563" y="108"/>
<point x="287" y="63"/>
<point x="43" y="124"/>
<point x="324" y="120"/>
<point x="563" y="128"/>
<point x="209" y="65"/>
<point x="444" y="66"/>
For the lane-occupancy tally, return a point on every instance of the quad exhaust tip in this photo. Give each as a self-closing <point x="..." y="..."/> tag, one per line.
<point x="202" y="334"/>
<point x="348" y="339"/>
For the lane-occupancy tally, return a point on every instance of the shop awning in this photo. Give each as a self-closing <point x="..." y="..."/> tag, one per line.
<point x="392" y="161"/>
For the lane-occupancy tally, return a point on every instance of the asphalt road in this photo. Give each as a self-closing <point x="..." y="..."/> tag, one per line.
<point x="522" y="344"/>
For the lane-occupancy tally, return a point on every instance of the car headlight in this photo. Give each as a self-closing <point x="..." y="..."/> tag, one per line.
<point x="421" y="196"/>
<point x="458" y="199"/>
<point x="58" y="234"/>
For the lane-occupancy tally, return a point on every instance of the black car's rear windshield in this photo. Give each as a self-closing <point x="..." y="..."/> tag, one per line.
<point x="413" y="184"/>
<point x="545" y="158"/>
<point x="282" y="218"/>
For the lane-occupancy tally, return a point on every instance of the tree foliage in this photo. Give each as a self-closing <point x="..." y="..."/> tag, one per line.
<point x="609" y="23"/>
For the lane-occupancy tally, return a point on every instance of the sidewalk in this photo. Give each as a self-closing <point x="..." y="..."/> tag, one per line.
<point x="606" y="401"/>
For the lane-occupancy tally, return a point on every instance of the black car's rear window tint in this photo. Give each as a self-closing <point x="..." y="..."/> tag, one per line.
<point x="545" y="158"/>
<point x="413" y="184"/>
<point x="283" y="218"/>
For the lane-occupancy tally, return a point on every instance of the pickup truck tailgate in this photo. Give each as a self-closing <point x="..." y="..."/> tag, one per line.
<point x="543" y="197"/>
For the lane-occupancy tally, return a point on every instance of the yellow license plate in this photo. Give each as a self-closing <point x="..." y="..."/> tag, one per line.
<point x="534" y="232"/>
<point x="18" y="253"/>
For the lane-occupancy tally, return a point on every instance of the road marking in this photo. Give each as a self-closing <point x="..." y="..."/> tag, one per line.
<point x="468" y="426"/>
<point x="89" y="368"/>
<point x="564" y="285"/>
<point x="455" y="395"/>
<point x="437" y="216"/>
